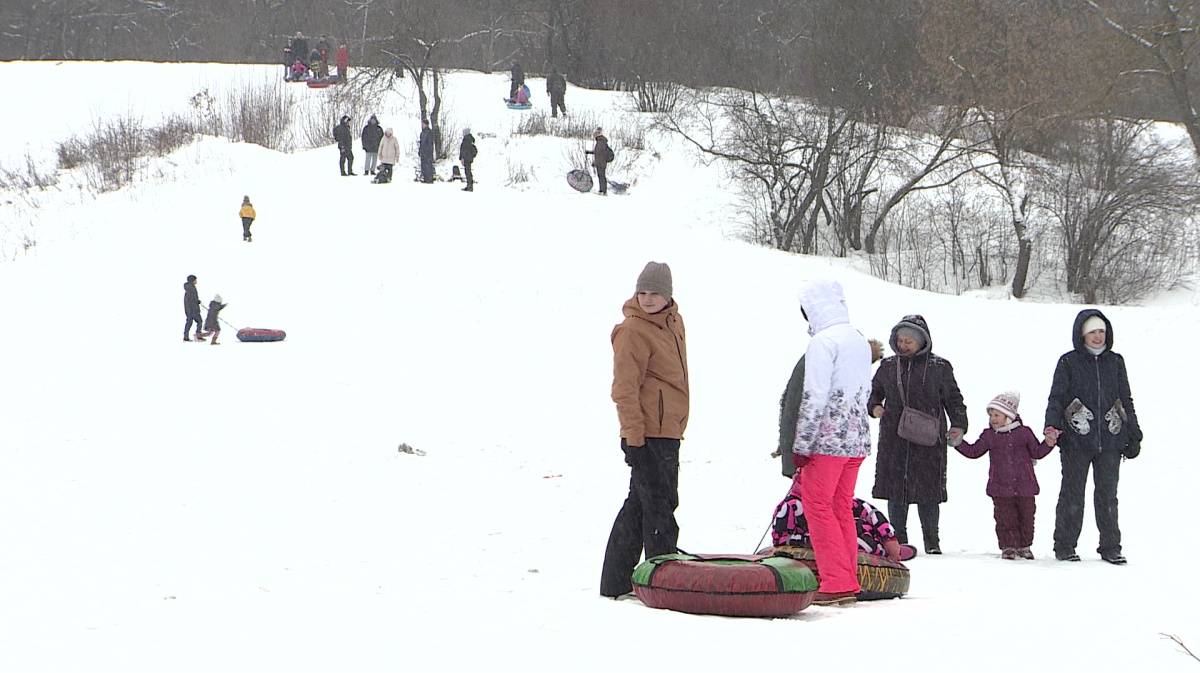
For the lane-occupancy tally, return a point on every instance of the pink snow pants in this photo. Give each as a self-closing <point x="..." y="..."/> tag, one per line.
<point x="827" y="493"/>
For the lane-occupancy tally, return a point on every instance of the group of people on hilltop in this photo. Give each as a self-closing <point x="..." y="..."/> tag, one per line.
<point x="556" y="88"/>
<point x="383" y="151"/>
<point x="300" y="63"/>
<point x="825" y="436"/>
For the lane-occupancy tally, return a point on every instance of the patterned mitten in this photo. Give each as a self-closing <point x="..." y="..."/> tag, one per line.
<point x="1079" y="417"/>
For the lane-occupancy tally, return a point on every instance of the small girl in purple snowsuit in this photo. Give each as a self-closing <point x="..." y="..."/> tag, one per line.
<point x="1011" y="482"/>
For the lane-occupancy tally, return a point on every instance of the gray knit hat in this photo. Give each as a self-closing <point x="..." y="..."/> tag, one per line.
<point x="656" y="277"/>
<point x="912" y="333"/>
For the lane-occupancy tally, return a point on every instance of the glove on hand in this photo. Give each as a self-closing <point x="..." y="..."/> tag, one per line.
<point x="630" y="452"/>
<point x="1132" y="449"/>
<point x="954" y="437"/>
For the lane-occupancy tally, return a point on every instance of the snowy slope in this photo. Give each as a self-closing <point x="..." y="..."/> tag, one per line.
<point x="171" y="507"/>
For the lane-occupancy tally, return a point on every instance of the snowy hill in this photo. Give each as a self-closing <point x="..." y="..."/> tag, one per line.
<point x="172" y="507"/>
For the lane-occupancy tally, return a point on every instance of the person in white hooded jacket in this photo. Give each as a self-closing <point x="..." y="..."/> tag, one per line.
<point x="389" y="154"/>
<point x="832" y="436"/>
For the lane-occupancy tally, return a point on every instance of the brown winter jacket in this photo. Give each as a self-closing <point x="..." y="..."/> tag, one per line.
<point x="600" y="152"/>
<point x="650" y="377"/>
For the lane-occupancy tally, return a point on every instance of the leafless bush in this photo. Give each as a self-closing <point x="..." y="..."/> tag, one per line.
<point x="518" y="173"/>
<point x="28" y="177"/>
<point x="259" y="114"/>
<point x="655" y="96"/>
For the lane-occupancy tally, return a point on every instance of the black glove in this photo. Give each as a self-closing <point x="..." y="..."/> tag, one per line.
<point x="1132" y="449"/>
<point x="631" y="452"/>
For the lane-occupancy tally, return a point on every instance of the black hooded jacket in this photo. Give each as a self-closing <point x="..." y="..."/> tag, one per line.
<point x="1089" y="398"/>
<point x="191" y="300"/>
<point x="904" y="471"/>
<point x="467" y="151"/>
<point x="372" y="135"/>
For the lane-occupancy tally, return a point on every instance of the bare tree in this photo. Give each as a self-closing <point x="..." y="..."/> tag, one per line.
<point x="1124" y="206"/>
<point x="1166" y="32"/>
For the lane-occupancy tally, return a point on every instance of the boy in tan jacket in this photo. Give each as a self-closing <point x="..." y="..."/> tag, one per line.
<point x="650" y="388"/>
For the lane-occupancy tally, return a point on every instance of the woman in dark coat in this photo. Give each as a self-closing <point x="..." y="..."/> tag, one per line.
<point x="906" y="472"/>
<point x="1091" y="409"/>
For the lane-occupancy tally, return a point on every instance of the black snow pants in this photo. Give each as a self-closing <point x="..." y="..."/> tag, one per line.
<point x="647" y="519"/>
<point x="1068" y="520"/>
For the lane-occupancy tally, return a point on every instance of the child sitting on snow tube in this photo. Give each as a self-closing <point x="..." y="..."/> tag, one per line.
<point x="522" y="97"/>
<point x="875" y="534"/>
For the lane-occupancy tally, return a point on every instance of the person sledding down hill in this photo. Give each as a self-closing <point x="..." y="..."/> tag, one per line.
<point x="521" y="97"/>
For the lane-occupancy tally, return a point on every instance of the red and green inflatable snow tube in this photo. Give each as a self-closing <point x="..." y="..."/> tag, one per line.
<point x="878" y="577"/>
<point x="733" y="585"/>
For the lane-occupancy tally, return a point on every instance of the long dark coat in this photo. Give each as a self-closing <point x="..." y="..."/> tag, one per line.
<point x="344" y="136"/>
<point x="211" y="323"/>
<point x="1101" y="385"/>
<point x="467" y="150"/>
<point x="191" y="300"/>
<point x="906" y="472"/>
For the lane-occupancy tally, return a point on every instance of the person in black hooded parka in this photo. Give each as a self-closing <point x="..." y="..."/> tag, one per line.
<point x="906" y="472"/>
<point x="1091" y="408"/>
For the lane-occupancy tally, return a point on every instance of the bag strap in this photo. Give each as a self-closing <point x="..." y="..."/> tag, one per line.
<point x="900" y="384"/>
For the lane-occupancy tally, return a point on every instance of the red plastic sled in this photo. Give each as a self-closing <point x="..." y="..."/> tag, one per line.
<point x="260" y="334"/>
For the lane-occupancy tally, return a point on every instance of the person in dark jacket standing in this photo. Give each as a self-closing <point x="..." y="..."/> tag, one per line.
<point x="556" y="86"/>
<point x="425" y="151"/>
<point x="650" y="389"/>
<point x="191" y="309"/>
<point x="600" y="159"/>
<point x="466" y="154"/>
<point x="288" y="60"/>
<point x="372" y="134"/>
<point x="1091" y="411"/>
<point x="300" y="48"/>
<point x="345" y="142"/>
<point x="907" y="472"/>
<point x="518" y="79"/>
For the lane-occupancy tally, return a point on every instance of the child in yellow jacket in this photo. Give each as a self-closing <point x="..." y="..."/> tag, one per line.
<point x="247" y="214"/>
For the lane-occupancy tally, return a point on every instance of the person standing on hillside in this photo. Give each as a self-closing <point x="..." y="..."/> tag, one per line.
<point x="650" y="389"/>
<point x="556" y="86"/>
<point x="288" y="60"/>
<point x="372" y="134"/>
<point x="345" y="142"/>
<point x="600" y="159"/>
<point x="911" y="467"/>
<point x="191" y="309"/>
<point x="833" y="436"/>
<point x="518" y="79"/>
<point x="1090" y="410"/>
<point x="389" y="155"/>
<point x="343" y="63"/>
<point x="300" y="48"/>
<point x="466" y="154"/>
<point x="425" y="150"/>
<point x="247" y="214"/>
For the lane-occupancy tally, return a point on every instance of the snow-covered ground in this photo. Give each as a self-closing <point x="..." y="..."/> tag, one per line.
<point x="168" y="507"/>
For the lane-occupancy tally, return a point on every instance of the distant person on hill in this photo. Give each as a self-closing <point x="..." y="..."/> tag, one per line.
<point x="324" y="46"/>
<point x="466" y="154"/>
<point x="212" y="325"/>
<point x="288" y="59"/>
<point x="556" y="86"/>
<point x="389" y="155"/>
<point x="300" y="47"/>
<point x="345" y="142"/>
<point x="372" y="133"/>
<point x="247" y="214"/>
<point x="522" y="97"/>
<point x="1091" y="412"/>
<point x="317" y="64"/>
<point x="651" y="390"/>
<point x="1012" y="450"/>
<point x="299" y="71"/>
<point x="191" y="309"/>
<point x="343" y="63"/>
<point x="600" y="159"/>
<point x="518" y="79"/>
<point x="425" y="150"/>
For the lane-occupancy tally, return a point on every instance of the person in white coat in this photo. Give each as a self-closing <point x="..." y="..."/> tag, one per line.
<point x="389" y="154"/>
<point x="832" y="436"/>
